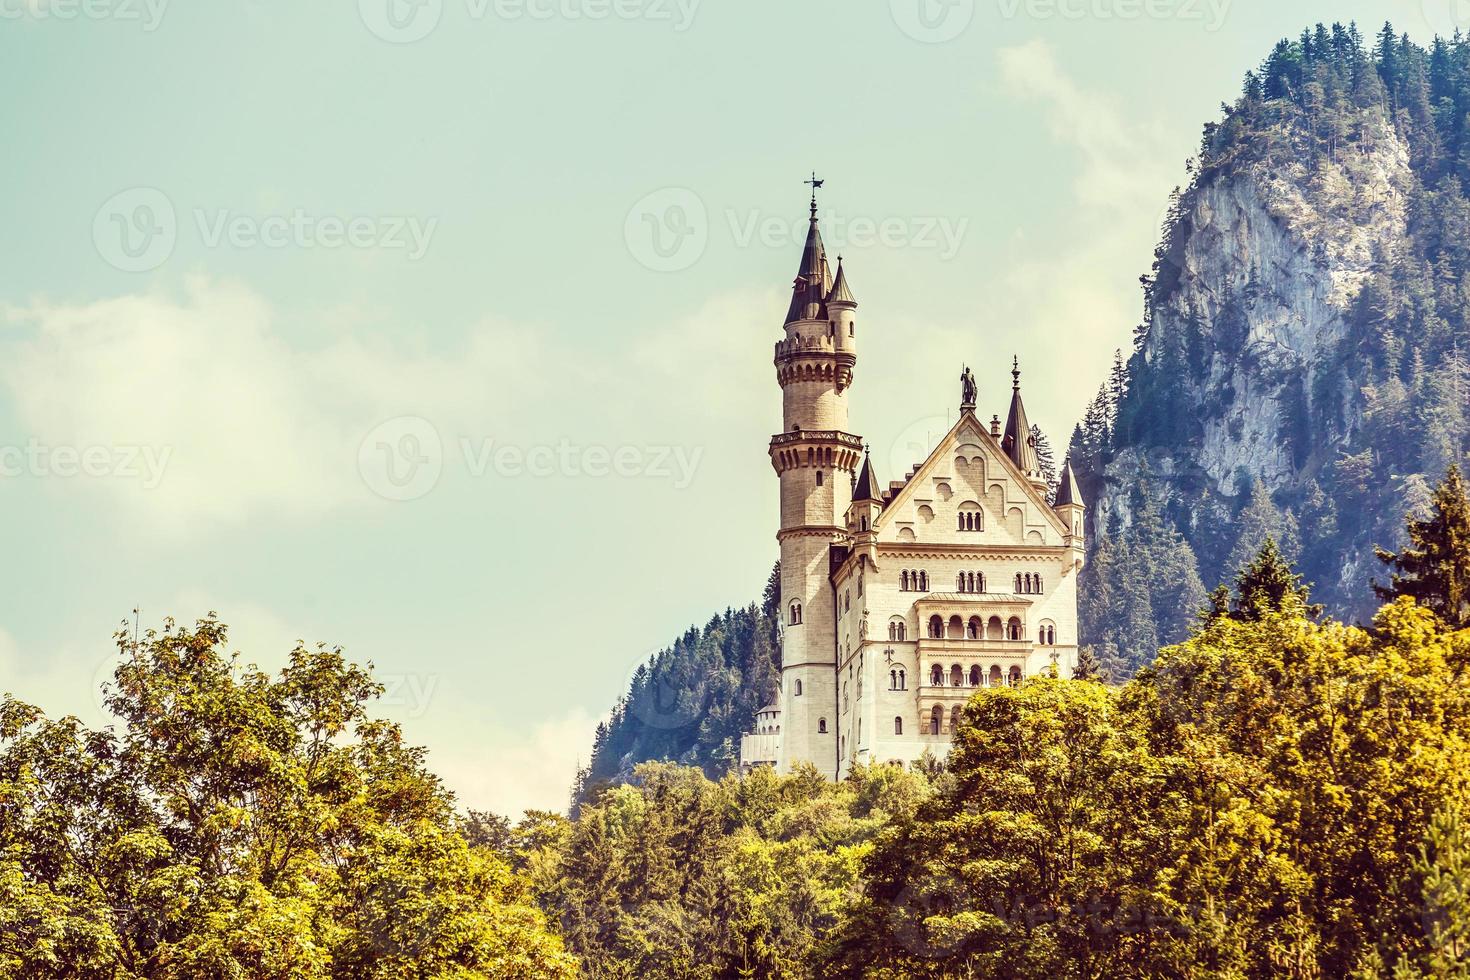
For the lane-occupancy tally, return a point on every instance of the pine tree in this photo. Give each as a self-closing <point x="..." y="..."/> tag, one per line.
<point x="1088" y="667"/>
<point x="1047" y="459"/>
<point x="1268" y="585"/>
<point x="1434" y="569"/>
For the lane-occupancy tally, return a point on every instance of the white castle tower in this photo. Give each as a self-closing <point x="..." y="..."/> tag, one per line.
<point x="899" y="602"/>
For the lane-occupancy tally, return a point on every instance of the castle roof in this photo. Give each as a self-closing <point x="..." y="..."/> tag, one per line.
<point x="1018" y="442"/>
<point x="867" y="484"/>
<point x="1067" y="490"/>
<point x="841" y="292"/>
<point x="813" y="279"/>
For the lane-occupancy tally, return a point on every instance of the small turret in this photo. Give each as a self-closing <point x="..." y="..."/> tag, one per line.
<point x="842" y="312"/>
<point x="862" y="514"/>
<point x="1069" y="504"/>
<point x="1019" y="443"/>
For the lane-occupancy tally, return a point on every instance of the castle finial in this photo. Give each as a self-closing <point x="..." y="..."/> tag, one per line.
<point x="1015" y="373"/>
<point x="815" y="184"/>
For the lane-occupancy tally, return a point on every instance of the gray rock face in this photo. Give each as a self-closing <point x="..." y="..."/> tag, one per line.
<point x="1268" y="260"/>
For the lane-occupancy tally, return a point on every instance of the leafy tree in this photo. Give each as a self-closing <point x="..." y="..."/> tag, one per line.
<point x="237" y="824"/>
<point x="1434" y="569"/>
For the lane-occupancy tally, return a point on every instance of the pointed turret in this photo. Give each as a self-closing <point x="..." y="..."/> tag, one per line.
<point x="1019" y="444"/>
<point x="813" y="279"/>
<point x="1071" y="509"/>
<point x="1067" y="490"/>
<point x="841" y="293"/>
<point x="866" y="487"/>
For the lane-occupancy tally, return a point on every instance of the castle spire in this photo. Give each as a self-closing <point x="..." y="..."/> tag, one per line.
<point x="866" y="487"/>
<point x="1067" y="490"/>
<point x="1019" y="444"/>
<point x="814" y="278"/>
<point x="841" y="292"/>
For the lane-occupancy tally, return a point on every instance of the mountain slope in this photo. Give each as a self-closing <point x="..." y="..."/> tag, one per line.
<point x="692" y="701"/>
<point x="1299" y="368"/>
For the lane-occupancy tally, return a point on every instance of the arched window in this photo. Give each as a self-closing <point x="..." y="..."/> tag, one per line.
<point x="923" y="581"/>
<point x="1015" y="677"/>
<point x="1038" y="584"/>
<point x="980" y="582"/>
<point x="847" y="602"/>
<point x="821" y="726"/>
<point x="904" y="581"/>
<point x="795" y="618"/>
<point x="994" y="630"/>
<point x="1018" y="582"/>
<point x="956" y="628"/>
<point x="995" y="677"/>
<point x="974" y="629"/>
<point x="798" y="688"/>
<point x="936" y="721"/>
<point x="903" y="683"/>
<point x="897" y="726"/>
<point x="893" y="680"/>
<point x="960" y="582"/>
<point x="954" y="717"/>
<point x="819" y="477"/>
<point x="1014" y="628"/>
<point x="936" y="676"/>
<point x="976" y="679"/>
<point x="956" y="676"/>
<point x="865" y="522"/>
<point x="936" y="628"/>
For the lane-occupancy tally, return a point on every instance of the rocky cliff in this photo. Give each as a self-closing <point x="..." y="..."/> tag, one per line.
<point x="1298" y="370"/>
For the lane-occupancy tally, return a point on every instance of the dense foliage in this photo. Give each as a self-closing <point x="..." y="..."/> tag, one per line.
<point x="1278" y="795"/>
<point x="236" y="825"/>
<point x="1370" y="422"/>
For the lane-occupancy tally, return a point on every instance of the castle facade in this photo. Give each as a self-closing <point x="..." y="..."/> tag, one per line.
<point x="900" y="600"/>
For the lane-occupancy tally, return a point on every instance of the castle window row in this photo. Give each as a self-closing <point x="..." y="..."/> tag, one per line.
<point x="897" y="630"/>
<point x="971" y="520"/>
<point x="974" y="629"/>
<point x="1028" y="584"/>
<point x="913" y="581"/>
<point x="897" y="681"/>
<point x="971" y="582"/>
<point x="976" y="676"/>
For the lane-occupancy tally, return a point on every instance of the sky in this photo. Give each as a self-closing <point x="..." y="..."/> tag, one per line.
<point x="441" y="330"/>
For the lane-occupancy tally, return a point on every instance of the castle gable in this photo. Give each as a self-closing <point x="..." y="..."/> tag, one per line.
<point x="969" y="492"/>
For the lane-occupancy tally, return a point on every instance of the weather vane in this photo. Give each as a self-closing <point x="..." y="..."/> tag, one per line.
<point x="815" y="184"/>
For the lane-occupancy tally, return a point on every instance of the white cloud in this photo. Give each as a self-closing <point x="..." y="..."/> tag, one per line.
<point x="246" y="422"/>
<point x="510" y="771"/>
<point x="1079" y="296"/>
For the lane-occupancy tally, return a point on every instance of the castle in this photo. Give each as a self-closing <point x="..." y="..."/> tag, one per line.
<point x="900" y="601"/>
